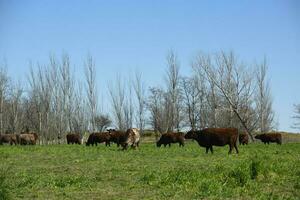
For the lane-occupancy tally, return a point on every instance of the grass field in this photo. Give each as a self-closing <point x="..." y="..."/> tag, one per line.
<point x="79" y="172"/>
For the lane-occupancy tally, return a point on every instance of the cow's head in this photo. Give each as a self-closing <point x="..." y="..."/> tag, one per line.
<point x="36" y="137"/>
<point x="190" y="135"/>
<point x="258" y="136"/>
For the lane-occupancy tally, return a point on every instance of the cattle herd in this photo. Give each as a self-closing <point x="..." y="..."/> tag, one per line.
<point x="25" y="138"/>
<point x="207" y="138"/>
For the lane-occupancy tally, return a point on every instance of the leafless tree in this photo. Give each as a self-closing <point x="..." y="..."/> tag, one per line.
<point x="79" y="116"/>
<point x="102" y="122"/>
<point x="263" y="99"/>
<point x="173" y="89"/>
<point x="296" y="117"/>
<point x="139" y="89"/>
<point x="159" y="106"/>
<point x="42" y="87"/>
<point x="14" y="114"/>
<point x="191" y="96"/>
<point x="4" y="79"/>
<point x="67" y="88"/>
<point x="117" y="94"/>
<point x="232" y="80"/>
<point x="90" y="74"/>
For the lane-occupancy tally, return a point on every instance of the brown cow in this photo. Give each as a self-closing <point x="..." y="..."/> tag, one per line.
<point x="117" y="137"/>
<point x="95" y="138"/>
<point x="29" y="138"/>
<point x="73" y="138"/>
<point x="266" y="138"/>
<point x="168" y="138"/>
<point x="9" y="138"/>
<point x="243" y="138"/>
<point x="215" y="136"/>
<point x="129" y="138"/>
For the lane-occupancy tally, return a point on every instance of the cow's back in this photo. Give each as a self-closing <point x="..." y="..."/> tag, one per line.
<point x="27" y="138"/>
<point x="73" y="138"/>
<point x="219" y="136"/>
<point x="9" y="138"/>
<point x="274" y="137"/>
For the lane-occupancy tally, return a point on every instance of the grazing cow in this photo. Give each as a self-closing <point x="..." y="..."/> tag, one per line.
<point x="73" y="138"/>
<point x="266" y="138"/>
<point x="9" y="138"/>
<point x="129" y="138"/>
<point x="210" y="137"/>
<point x="117" y="137"/>
<point x="96" y="138"/>
<point x="132" y="138"/>
<point x="168" y="138"/>
<point x="28" y="139"/>
<point x="243" y="138"/>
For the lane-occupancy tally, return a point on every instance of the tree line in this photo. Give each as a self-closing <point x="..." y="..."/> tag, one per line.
<point x="221" y="91"/>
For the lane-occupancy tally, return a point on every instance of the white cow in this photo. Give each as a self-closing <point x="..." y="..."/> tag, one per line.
<point x="133" y="138"/>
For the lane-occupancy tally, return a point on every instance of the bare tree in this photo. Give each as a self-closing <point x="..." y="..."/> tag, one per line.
<point x="159" y="106"/>
<point x="232" y="80"/>
<point x="3" y="91"/>
<point x="44" y="92"/>
<point x="90" y="74"/>
<point x="296" y="117"/>
<point x="139" y="90"/>
<point x="191" y="96"/>
<point x="57" y="122"/>
<point x="128" y="109"/>
<point x="102" y="122"/>
<point x="79" y="117"/>
<point x="67" y="87"/>
<point x="117" y="94"/>
<point x="263" y="99"/>
<point x="173" y="89"/>
<point x="14" y="114"/>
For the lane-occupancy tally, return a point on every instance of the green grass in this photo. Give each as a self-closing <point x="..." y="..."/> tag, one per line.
<point x="79" y="172"/>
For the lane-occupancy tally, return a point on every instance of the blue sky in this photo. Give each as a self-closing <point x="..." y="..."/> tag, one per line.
<point x="124" y="36"/>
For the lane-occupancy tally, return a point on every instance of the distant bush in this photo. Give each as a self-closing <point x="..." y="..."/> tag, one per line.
<point x="148" y="133"/>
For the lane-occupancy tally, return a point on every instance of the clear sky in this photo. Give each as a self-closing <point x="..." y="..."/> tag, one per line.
<point x="124" y="36"/>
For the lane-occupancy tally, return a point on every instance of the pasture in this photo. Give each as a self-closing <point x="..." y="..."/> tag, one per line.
<point x="80" y="172"/>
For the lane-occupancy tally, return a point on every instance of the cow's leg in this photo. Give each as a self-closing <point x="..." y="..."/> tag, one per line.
<point x="236" y="149"/>
<point x="207" y="148"/>
<point x="278" y="142"/>
<point x="211" y="149"/>
<point x="124" y="146"/>
<point x="169" y="144"/>
<point x="165" y="145"/>
<point x="230" y="149"/>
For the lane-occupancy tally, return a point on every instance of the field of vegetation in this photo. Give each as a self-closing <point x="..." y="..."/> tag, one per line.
<point x="80" y="172"/>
